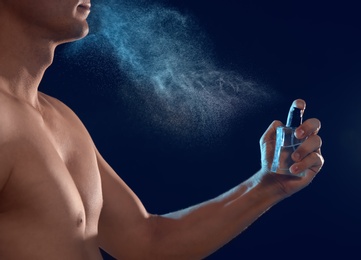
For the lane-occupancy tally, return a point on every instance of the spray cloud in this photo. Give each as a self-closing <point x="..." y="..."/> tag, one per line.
<point x="167" y="59"/>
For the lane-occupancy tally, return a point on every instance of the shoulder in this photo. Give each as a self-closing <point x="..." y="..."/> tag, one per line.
<point x="61" y="108"/>
<point x="65" y="115"/>
<point x="58" y="105"/>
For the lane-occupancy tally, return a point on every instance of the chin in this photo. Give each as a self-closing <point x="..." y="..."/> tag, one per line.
<point x="83" y="33"/>
<point x="76" y="33"/>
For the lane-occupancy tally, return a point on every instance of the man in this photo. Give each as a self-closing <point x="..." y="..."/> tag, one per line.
<point x="59" y="199"/>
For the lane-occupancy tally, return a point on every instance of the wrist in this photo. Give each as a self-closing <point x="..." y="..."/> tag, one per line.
<point x="268" y="186"/>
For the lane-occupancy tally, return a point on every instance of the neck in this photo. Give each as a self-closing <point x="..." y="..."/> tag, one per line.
<point x="23" y="61"/>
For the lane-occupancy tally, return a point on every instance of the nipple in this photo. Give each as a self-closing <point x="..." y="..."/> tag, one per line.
<point x="80" y="222"/>
<point x="80" y="219"/>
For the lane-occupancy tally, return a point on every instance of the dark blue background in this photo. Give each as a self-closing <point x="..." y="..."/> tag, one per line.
<point x="303" y="49"/>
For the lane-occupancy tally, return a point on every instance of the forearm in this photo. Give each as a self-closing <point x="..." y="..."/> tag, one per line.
<point x="196" y="232"/>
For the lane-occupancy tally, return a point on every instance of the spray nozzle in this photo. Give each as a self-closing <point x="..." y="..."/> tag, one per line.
<point x="294" y="118"/>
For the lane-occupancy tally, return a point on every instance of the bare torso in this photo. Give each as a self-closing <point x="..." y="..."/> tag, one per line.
<point x="51" y="200"/>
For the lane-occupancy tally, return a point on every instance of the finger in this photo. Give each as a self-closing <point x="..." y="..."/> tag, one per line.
<point x="312" y="162"/>
<point x="299" y="103"/>
<point x="310" y="145"/>
<point x="309" y="127"/>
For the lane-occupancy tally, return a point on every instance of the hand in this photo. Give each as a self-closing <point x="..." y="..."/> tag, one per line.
<point x="307" y="156"/>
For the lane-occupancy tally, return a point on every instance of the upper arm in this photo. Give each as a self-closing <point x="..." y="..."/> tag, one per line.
<point x="124" y="226"/>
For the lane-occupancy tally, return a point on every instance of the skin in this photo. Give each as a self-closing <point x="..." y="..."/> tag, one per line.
<point x="59" y="199"/>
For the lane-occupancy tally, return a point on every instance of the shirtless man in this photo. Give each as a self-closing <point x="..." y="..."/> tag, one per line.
<point x="59" y="199"/>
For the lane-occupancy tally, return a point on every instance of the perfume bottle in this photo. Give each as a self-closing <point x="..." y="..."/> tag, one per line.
<point x="287" y="143"/>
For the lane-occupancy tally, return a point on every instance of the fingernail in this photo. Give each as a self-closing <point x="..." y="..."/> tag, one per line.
<point x="294" y="169"/>
<point x="300" y="132"/>
<point x="296" y="156"/>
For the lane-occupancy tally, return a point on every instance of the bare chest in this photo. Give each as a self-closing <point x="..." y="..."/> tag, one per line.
<point x="55" y="182"/>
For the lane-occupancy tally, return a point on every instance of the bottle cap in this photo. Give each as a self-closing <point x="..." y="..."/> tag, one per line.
<point x="294" y="117"/>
